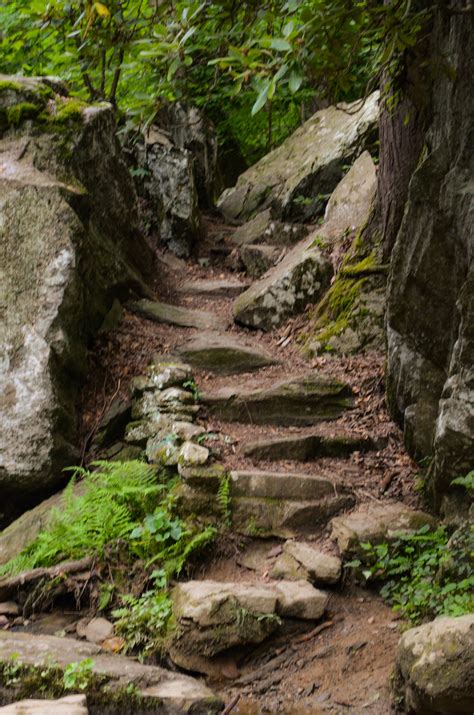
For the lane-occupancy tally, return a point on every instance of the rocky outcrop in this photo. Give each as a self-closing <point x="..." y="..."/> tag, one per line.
<point x="430" y="314"/>
<point x="69" y="244"/>
<point x="168" y="185"/>
<point x="295" y="178"/>
<point x="304" y="275"/>
<point x="434" y="672"/>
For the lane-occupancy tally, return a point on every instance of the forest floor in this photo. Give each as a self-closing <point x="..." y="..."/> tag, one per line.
<point x="345" y="665"/>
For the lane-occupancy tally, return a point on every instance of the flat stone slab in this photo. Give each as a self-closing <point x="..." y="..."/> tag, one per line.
<point x="280" y="485"/>
<point x="306" y="447"/>
<point x="164" y="691"/>
<point x="220" y="288"/>
<point x="375" y="523"/>
<point x="70" y="705"/>
<point x="177" y="315"/>
<point x="300" y="278"/>
<point x="303" y="401"/>
<point x="223" y="354"/>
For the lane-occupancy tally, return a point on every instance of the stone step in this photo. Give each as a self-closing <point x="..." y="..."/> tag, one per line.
<point x="177" y="315"/>
<point x="302" y="401"/>
<point x="213" y="616"/>
<point x="214" y="288"/>
<point x="223" y="354"/>
<point x="306" y="447"/>
<point x="70" y="705"/>
<point x="161" y="690"/>
<point x="264" y="503"/>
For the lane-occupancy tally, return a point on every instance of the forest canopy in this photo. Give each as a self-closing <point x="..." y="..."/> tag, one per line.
<point x="255" y="65"/>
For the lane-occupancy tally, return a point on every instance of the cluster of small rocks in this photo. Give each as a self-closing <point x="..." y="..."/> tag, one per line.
<point x="163" y="410"/>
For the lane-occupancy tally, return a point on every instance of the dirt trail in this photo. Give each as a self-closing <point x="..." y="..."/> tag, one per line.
<point x="345" y="667"/>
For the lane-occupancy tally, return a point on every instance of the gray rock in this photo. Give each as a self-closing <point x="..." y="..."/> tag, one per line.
<point x="164" y="451"/>
<point x="70" y="705"/>
<point x="169" y="185"/>
<point x="9" y="608"/>
<point x="264" y="229"/>
<point x="319" y="566"/>
<point x="258" y="259"/>
<point x="299" y="279"/>
<point x="192" y="455"/>
<point x="286" y="567"/>
<point x="223" y="354"/>
<point x="306" y="447"/>
<point x="163" y="691"/>
<point x="189" y="129"/>
<point x="176" y="315"/>
<point x="160" y="375"/>
<point x="434" y="671"/>
<point x="67" y="199"/>
<point x="280" y="485"/>
<point x="298" y="599"/>
<point x="214" y="616"/>
<point x="98" y="630"/>
<point x="187" y="431"/>
<point x="307" y="165"/>
<point x="375" y="523"/>
<point x="213" y="288"/>
<point x="303" y="401"/>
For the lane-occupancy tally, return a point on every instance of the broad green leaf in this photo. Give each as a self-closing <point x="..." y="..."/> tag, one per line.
<point x="261" y="99"/>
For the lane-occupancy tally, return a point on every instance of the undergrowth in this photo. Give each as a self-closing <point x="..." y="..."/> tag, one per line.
<point x="426" y="573"/>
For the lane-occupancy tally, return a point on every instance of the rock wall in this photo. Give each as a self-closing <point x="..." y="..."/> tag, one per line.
<point x="69" y="244"/>
<point x="430" y="326"/>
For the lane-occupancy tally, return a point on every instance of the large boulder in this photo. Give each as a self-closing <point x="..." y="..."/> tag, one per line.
<point x="430" y="311"/>
<point x="304" y="275"/>
<point x="69" y="244"/>
<point x="434" y="673"/>
<point x="294" y="178"/>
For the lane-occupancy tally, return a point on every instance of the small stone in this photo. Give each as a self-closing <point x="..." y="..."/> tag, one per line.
<point x="298" y="599"/>
<point x="9" y="608"/>
<point x="320" y="567"/>
<point x="187" y="431"/>
<point x="370" y="620"/>
<point x="3" y="621"/>
<point x="98" y="630"/>
<point x="192" y="454"/>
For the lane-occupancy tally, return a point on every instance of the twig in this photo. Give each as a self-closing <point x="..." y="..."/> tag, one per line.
<point x="231" y="705"/>
<point x="10" y="584"/>
<point x="314" y="632"/>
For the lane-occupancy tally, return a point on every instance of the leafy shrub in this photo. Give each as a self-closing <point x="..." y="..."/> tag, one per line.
<point x="426" y="573"/>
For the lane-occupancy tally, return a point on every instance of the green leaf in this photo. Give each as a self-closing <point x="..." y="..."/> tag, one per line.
<point x="261" y="99"/>
<point x="295" y="81"/>
<point x="280" y="44"/>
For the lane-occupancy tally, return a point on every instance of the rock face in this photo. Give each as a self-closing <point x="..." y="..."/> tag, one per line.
<point x="430" y="378"/>
<point x="434" y="672"/>
<point x="69" y="243"/>
<point x="163" y="692"/>
<point x="265" y="229"/>
<point x="307" y="165"/>
<point x="304" y="275"/>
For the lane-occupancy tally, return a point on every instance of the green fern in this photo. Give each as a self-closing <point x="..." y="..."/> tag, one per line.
<point x="224" y="498"/>
<point x="115" y="499"/>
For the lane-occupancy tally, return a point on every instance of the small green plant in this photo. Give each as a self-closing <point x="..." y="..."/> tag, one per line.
<point x="78" y="675"/>
<point x="143" y="621"/>
<point x="467" y="482"/>
<point x="424" y="574"/>
<point x="11" y="670"/>
<point x="224" y="498"/>
<point x="192" y="387"/>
